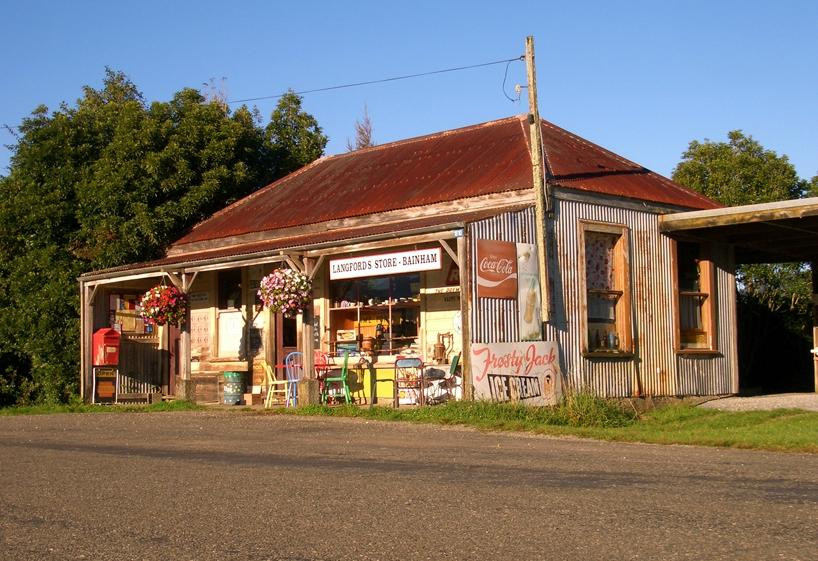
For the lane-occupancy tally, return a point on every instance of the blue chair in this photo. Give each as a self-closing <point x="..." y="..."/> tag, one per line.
<point x="294" y="367"/>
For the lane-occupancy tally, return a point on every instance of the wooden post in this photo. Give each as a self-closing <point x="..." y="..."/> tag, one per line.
<point x="184" y="389"/>
<point x="308" y="386"/>
<point x="463" y="263"/>
<point x="87" y="294"/>
<point x="83" y="341"/>
<point x="814" y="267"/>
<point x="542" y="200"/>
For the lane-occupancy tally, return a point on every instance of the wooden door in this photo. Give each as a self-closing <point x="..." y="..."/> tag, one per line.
<point x="286" y="337"/>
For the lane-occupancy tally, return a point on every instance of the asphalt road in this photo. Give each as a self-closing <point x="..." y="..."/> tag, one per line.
<point x="213" y="485"/>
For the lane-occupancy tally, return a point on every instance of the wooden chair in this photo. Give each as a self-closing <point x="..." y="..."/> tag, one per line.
<point x="275" y="387"/>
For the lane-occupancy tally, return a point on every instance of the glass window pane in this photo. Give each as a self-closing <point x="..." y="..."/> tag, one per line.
<point x="230" y="289"/>
<point x="599" y="260"/>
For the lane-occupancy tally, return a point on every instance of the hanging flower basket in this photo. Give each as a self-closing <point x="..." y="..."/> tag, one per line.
<point x="164" y="304"/>
<point x="286" y="291"/>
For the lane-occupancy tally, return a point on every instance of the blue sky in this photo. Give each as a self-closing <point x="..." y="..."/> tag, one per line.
<point x="641" y="78"/>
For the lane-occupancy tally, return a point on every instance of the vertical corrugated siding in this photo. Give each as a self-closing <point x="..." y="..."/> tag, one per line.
<point x="494" y="320"/>
<point x="696" y="374"/>
<point x="655" y="369"/>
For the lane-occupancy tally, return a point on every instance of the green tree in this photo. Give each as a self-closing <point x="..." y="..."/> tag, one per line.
<point x="113" y="180"/>
<point x="294" y="135"/>
<point x="738" y="172"/>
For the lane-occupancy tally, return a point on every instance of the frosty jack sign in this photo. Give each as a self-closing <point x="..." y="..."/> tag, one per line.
<point x="526" y="372"/>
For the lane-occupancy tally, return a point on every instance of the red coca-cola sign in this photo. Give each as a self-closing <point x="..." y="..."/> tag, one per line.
<point x="496" y="269"/>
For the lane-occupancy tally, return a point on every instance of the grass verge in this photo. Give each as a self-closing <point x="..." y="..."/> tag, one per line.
<point x="79" y="407"/>
<point x="791" y="430"/>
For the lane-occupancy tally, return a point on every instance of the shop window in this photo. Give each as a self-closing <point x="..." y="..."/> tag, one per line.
<point x="606" y="290"/>
<point x="378" y="315"/>
<point x="694" y="298"/>
<point x="230" y="289"/>
<point x="124" y="316"/>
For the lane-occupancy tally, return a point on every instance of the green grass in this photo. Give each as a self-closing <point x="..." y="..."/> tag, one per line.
<point x="580" y="415"/>
<point x="79" y="407"/>
<point x="585" y="416"/>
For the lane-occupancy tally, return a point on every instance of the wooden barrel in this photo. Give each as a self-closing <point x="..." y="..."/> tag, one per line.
<point x="233" y="388"/>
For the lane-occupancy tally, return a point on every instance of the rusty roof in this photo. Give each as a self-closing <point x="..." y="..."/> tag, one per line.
<point x="478" y="160"/>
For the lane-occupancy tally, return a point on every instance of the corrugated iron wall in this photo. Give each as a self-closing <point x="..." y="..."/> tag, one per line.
<point x="655" y="369"/>
<point x="494" y="320"/>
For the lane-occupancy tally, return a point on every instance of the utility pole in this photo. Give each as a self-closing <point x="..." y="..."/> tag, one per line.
<point x="542" y="196"/>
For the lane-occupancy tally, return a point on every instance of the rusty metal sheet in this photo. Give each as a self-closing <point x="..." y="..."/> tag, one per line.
<point x="478" y="160"/>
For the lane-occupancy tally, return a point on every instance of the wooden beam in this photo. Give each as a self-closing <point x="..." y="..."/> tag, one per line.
<point x="234" y="262"/>
<point x="397" y="240"/>
<point x="124" y="278"/>
<point x="317" y="265"/>
<point x="452" y="253"/>
<point x="175" y="280"/>
<point x="765" y="212"/>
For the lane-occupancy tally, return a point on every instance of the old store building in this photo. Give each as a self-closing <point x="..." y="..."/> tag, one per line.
<point x="434" y="241"/>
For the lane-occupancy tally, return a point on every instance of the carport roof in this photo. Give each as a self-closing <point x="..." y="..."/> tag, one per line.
<point x="779" y="232"/>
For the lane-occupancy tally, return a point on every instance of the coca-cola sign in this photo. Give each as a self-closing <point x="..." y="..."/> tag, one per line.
<point x="496" y="269"/>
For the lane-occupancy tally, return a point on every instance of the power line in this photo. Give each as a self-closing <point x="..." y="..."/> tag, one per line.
<point x="394" y="78"/>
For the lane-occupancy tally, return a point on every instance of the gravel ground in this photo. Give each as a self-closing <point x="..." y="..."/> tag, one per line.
<point x="808" y="401"/>
<point x="204" y="486"/>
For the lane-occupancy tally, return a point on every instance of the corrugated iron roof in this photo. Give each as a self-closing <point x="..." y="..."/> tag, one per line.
<point x="468" y="162"/>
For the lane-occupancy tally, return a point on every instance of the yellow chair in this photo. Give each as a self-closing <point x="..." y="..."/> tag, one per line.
<point x="275" y="387"/>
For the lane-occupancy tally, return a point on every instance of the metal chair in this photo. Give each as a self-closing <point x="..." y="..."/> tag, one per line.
<point x="340" y="379"/>
<point x="408" y="378"/>
<point x="440" y="386"/>
<point x="294" y="367"/>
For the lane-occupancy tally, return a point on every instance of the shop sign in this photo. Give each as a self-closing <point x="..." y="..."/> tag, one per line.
<point x="496" y="269"/>
<point x="527" y="373"/>
<point x="385" y="264"/>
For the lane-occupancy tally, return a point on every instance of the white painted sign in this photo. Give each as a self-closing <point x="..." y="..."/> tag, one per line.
<point x="385" y="264"/>
<point x="526" y="372"/>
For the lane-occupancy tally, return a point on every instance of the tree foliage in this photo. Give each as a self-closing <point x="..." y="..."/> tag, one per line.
<point x="738" y="172"/>
<point x="113" y="180"/>
<point x="363" y="133"/>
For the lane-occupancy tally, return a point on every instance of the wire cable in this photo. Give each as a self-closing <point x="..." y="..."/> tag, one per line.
<point x="392" y="79"/>
<point x="505" y="76"/>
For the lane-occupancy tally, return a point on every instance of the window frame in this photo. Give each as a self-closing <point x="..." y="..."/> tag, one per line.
<point x="622" y="280"/>
<point x="707" y="286"/>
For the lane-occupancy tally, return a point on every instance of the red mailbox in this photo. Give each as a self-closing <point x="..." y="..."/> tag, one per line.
<point x="105" y="347"/>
